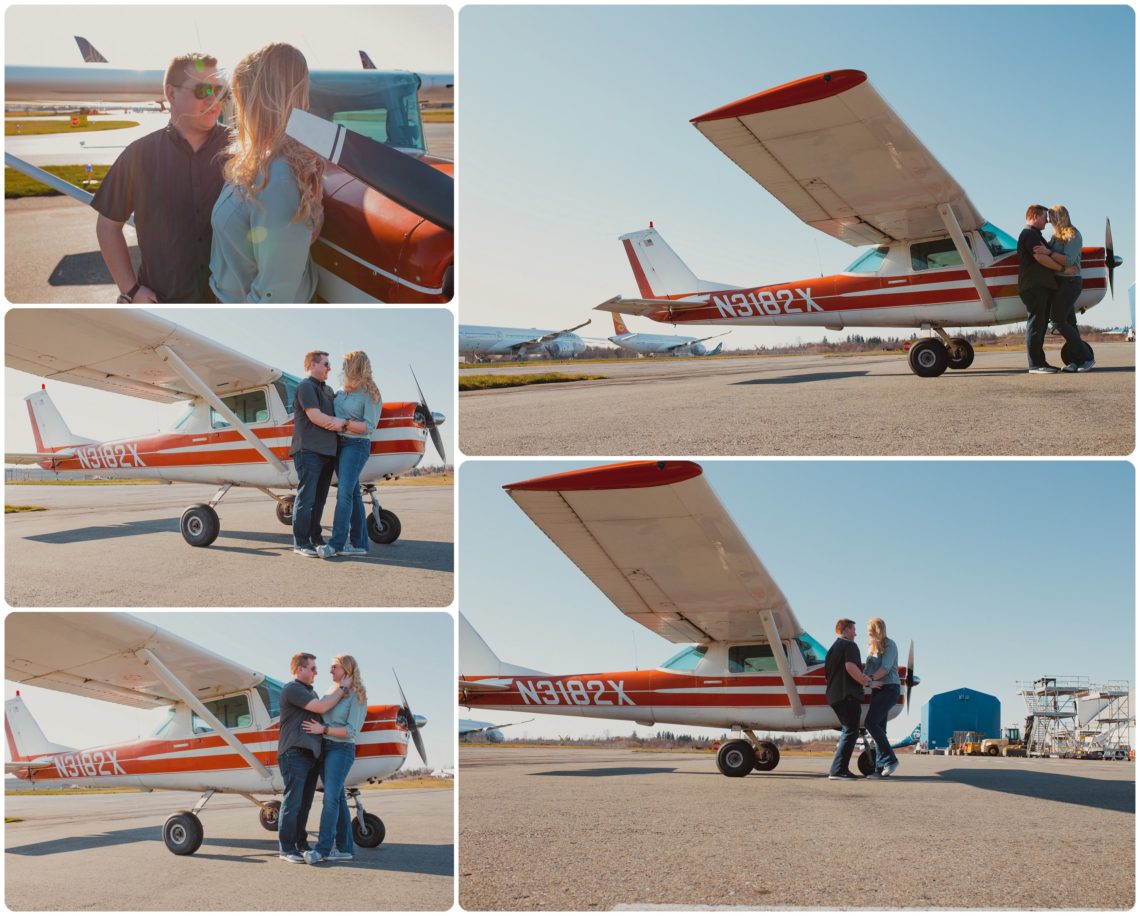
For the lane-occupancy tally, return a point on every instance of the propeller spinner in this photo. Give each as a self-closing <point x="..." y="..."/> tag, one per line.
<point x="430" y="420"/>
<point x="411" y="720"/>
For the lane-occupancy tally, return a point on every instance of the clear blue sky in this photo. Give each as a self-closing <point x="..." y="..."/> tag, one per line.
<point x="1000" y="571"/>
<point x="392" y="337"/>
<point x="418" y="645"/>
<point x="576" y="130"/>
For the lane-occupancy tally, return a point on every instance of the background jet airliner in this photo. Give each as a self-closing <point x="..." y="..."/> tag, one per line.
<point x="668" y="344"/>
<point x="480" y="341"/>
<point x="469" y="728"/>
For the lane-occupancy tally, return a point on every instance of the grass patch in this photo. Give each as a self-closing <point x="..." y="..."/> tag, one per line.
<point x="17" y="184"/>
<point x="8" y="508"/>
<point x="484" y="382"/>
<point x="438" y="116"/>
<point x="13" y="820"/>
<point x="14" y="127"/>
<point x="435" y="480"/>
<point x="414" y="782"/>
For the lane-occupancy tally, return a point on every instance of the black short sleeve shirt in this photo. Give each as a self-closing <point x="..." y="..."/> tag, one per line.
<point x="295" y="696"/>
<point x="1030" y="274"/>
<point x="307" y="436"/>
<point x="171" y="190"/>
<point x="840" y="684"/>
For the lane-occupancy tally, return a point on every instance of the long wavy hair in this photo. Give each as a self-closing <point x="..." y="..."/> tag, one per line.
<point x="876" y="636"/>
<point x="267" y="85"/>
<point x="357" y="371"/>
<point x="352" y="670"/>
<point x="1062" y="226"/>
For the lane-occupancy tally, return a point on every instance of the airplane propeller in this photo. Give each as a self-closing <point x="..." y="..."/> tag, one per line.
<point x="909" y="674"/>
<point x="1110" y="259"/>
<point x="411" y="720"/>
<point x="429" y="420"/>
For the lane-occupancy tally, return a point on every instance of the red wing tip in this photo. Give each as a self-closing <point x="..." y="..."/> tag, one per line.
<point x="799" y="92"/>
<point x="629" y="475"/>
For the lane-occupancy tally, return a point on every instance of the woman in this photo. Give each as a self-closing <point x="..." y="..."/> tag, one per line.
<point x="341" y="726"/>
<point x="1065" y="250"/>
<point x="883" y="669"/>
<point x="270" y="210"/>
<point x="360" y="400"/>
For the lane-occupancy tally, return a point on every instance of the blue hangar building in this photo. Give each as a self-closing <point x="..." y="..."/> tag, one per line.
<point x="964" y="709"/>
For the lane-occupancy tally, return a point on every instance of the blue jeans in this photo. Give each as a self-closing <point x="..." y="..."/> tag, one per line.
<point x="1036" y="300"/>
<point x="314" y="476"/>
<point x="336" y="825"/>
<point x="883" y="700"/>
<point x="1063" y="313"/>
<point x="299" y="770"/>
<point x="847" y="710"/>
<point x="348" y="522"/>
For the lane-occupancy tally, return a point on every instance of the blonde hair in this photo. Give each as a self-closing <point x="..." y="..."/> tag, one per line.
<point x="358" y="374"/>
<point x="267" y="85"/>
<point x="352" y="670"/>
<point x="1062" y="227"/>
<point x="877" y="638"/>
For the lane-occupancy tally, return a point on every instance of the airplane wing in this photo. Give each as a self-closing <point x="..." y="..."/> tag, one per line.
<point x="699" y="340"/>
<point x="832" y="151"/>
<point x="546" y="338"/>
<point x="94" y="655"/>
<point x="37" y="457"/>
<point x="655" y="539"/>
<point x="115" y="350"/>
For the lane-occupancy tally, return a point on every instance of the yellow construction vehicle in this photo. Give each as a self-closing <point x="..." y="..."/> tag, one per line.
<point x="1008" y="745"/>
<point x="971" y="745"/>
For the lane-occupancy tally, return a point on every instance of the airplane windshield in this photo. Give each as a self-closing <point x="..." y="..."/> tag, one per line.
<point x="868" y="262"/>
<point x="286" y="387"/>
<point x="190" y="406"/>
<point x="383" y="106"/>
<point x="270" y="691"/>
<point x="813" y="652"/>
<point x="165" y="724"/>
<point x="687" y="659"/>
<point x="997" y="241"/>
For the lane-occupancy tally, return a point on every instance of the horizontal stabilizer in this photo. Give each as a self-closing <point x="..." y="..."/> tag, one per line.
<point x="36" y="457"/>
<point x="650" y="307"/>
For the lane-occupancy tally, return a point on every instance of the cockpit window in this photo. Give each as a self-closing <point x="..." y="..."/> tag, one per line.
<point x="869" y="261"/>
<point x="286" y="388"/>
<point x="751" y="659"/>
<point x="165" y="723"/>
<point x="996" y="240"/>
<point x="382" y="106"/>
<point x="687" y="659"/>
<point x="249" y="407"/>
<point x="270" y="691"/>
<point x="933" y="255"/>
<point x="232" y="712"/>
<point x="813" y="652"/>
<point x="186" y="416"/>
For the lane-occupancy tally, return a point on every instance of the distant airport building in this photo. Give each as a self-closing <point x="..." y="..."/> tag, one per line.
<point x="959" y="710"/>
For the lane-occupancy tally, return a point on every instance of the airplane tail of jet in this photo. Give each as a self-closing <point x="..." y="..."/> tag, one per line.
<point x="659" y="272"/>
<point x="48" y="426"/>
<point x="619" y="325"/>
<point x="366" y="61"/>
<point x="719" y="347"/>
<point x="90" y="54"/>
<point x="477" y="658"/>
<point x="25" y="739"/>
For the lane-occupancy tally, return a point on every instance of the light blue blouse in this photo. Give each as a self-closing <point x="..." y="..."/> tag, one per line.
<point x="258" y="254"/>
<point x="358" y="405"/>
<point x="888" y="660"/>
<point x="1071" y="250"/>
<point x="348" y="713"/>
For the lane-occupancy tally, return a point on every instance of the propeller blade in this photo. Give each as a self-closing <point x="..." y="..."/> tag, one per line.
<point x="412" y="727"/>
<point x="909" y="674"/>
<point x="1109" y="254"/>
<point x="429" y="420"/>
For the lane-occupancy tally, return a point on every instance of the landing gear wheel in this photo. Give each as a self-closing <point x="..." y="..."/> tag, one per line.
<point x="866" y="762"/>
<point x="369" y="833"/>
<point x="200" y="525"/>
<point x="1067" y="353"/>
<point x="928" y="357"/>
<point x="736" y="758"/>
<point x="767" y="758"/>
<point x="270" y="815"/>
<point x="285" y="511"/>
<point x="961" y="353"/>
<point x="182" y="833"/>
<point x="386" y="530"/>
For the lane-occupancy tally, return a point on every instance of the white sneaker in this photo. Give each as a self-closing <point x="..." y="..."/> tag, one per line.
<point x="1086" y="366"/>
<point x="890" y="768"/>
<point x="351" y="551"/>
<point x="337" y="855"/>
<point x="312" y="857"/>
<point x="305" y="551"/>
<point x="325" y="552"/>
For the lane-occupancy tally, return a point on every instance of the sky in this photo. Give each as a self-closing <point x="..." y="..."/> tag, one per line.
<point x="419" y="646"/>
<point x="394" y="338"/>
<point x="999" y="571"/>
<point x="576" y="130"/>
<point x="419" y="38"/>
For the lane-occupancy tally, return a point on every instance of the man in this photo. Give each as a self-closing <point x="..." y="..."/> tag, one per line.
<point x="298" y="753"/>
<point x="845" y="683"/>
<point x="1036" y="283"/>
<point x="169" y="180"/>
<point x="314" y="448"/>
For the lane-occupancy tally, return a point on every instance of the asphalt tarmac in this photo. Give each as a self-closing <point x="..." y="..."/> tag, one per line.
<point x="120" y="546"/>
<point x="105" y="852"/>
<point x="566" y="829"/>
<point x="808" y="405"/>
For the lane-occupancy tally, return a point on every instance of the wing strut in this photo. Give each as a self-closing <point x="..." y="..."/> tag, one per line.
<point x="950" y="221"/>
<point x="214" y="401"/>
<point x="167" y="677"/>
<point x="773" y="633"/>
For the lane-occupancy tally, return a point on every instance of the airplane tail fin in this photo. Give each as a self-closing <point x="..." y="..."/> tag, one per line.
<point x="659" y="273"/>
<point x="48" y="427"/>
<point x="366" y="61"/>
<point x="477" y="658"/>
<point x="719" y="347"/>
<point x="619" y="325"/>
<point x="25" y="739"/>
<point x="90" y="53"/>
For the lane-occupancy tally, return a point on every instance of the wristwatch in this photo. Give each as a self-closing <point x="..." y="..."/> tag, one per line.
<point x="326" y="731"/>
<point x="129" y="295"/>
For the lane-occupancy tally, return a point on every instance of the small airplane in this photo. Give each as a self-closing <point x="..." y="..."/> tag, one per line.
<point x="238" y="424"/>
<point x="658" y="344"/>
<point x="655" y="539"/>
<point x="836" y="154"/>
<point x="220" y="731"/>
<point x="469" y="728"/>
<point x="481" y="341"/>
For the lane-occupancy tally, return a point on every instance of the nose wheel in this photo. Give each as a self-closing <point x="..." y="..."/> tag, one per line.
<point x="367" y="829"/>
<point x="383" y="524"/>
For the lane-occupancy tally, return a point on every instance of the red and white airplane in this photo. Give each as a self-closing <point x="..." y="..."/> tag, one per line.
<point x="655" y="539"/>
<point x="836" y="154"/>
<point x="219" y="735"/>
<point x="238" y="424"/>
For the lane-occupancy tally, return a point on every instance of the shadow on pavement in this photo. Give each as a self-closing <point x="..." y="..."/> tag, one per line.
<point x="106" y="532"/>
<point x="1105" y="794"/>
<point x="85" y="269"/>
<point x="809" y="377"/>
<point x="93" y="841"/>
<point x="610" y="771"/>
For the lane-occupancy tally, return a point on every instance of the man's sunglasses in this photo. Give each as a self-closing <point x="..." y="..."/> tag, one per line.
<point x="205" y="91"/>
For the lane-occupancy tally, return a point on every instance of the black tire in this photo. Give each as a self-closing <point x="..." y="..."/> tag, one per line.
<point x="386" y="530"/>
<point x="1067" y="352"/>
<point x="270" y="815"/>
<point x="200" y="526"/>
<point x="285" y="511"/>
<point x="992" y="751"/>
<point x="866" y="762"/>
<point x="182" y="833"/>
<point x="767" y="758"/>
<point x="961" y="353"/>
<point x="735" y="758"/>
<point x="928" y="357"/>
<point x="370" y="833"/>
